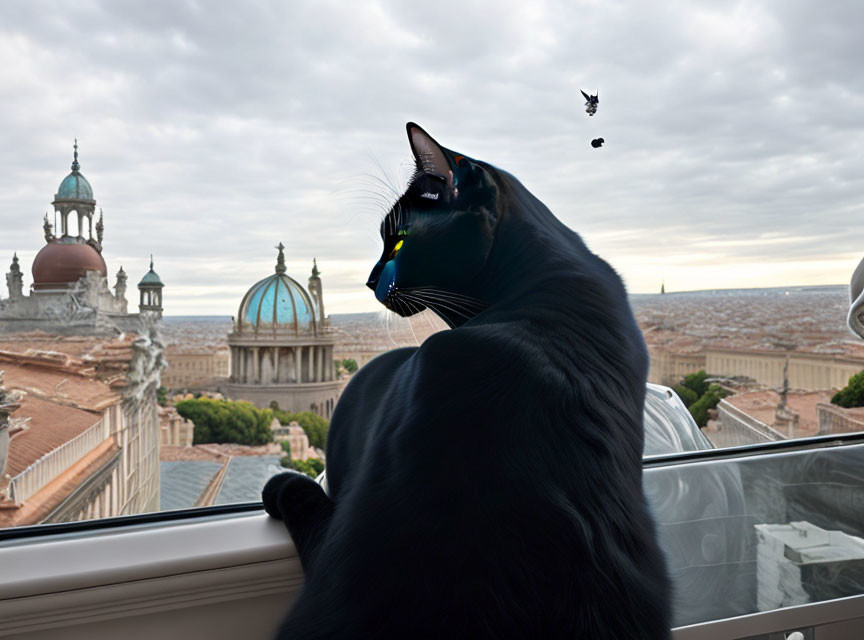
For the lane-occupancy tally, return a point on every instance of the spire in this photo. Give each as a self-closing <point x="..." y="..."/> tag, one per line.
<point x="151" y="262"/>
<point x="75" y="165"/>
<point x="14" y="267"/>
<point x="315" y="272"/>
<point x="280" y="260"/>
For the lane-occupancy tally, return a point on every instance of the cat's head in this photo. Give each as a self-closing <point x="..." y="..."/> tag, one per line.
<point x="438" y="235"/>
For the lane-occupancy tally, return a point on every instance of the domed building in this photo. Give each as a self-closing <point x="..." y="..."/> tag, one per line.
<point x="282" y="346"/>
<point x="70" y="292"/>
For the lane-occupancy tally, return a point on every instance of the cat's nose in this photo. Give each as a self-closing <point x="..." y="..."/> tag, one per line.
<point x="372" y="283"/>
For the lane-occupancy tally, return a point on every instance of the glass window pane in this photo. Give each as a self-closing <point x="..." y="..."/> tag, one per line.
<point x="762" y="532"/>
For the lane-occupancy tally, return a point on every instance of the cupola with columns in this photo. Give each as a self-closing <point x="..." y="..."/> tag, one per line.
<point x="150" y="289"/>
<point x="72" y="250"/>
<point x="282" y="346"/>
<point x="69" y="273"/>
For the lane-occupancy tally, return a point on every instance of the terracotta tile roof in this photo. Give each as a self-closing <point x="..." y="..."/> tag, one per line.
<point x="175" y="453"/>
<point x="105" y="359"/>
<point x="216" y="452"/>
<point x="50" y="426"/>
<point x="62" y="387"/>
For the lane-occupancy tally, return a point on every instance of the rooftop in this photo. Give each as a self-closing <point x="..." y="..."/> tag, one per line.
<point x="762" y="405"/>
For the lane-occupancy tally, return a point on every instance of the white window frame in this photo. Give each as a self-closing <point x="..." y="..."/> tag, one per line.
<point x="208" y="560"/>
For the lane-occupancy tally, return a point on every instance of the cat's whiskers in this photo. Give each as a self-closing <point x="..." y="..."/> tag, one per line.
<point x="432" y="303"/>
<point x="463" y="303"/>
<point x="408" y="320"/>
<point x="389" y="318"/>
<point x="427" y="314"/>
<point x="453" y="295"/>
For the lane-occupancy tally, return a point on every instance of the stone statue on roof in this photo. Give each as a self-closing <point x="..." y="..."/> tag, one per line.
<point x="15" y="280"/>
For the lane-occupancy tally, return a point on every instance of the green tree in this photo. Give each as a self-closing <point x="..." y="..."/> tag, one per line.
<point x="162" y="396"/>
<point x="687" y="395"/>
<point x="350" y="365"/>
<point x="311" y="467"/>
<point x="852" y="395"/>
<point x="227" y="421"/>
<point x="315" y="426"/>
<point x="696" y="382"/>
<point x="708" y="400"/>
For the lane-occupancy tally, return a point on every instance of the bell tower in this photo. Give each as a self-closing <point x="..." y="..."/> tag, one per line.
<point x="150" y="289"/>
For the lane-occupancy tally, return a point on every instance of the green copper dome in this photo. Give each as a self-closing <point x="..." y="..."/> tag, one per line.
<point x="75" y="185"/>
<point x="151" y="278"/>
<point x="277" y="302"/>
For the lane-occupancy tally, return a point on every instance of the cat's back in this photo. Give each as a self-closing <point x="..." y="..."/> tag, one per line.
<point x="353" y="423"/>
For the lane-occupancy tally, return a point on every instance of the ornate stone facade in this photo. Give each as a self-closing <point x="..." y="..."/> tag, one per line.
<point x="282" y="346"/>
<point x="89" y="446"/>
<point x="83" y="441"/>
<point x="70" y="292"/>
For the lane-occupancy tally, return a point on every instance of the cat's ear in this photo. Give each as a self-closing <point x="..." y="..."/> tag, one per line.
<point x="431" y="156"/>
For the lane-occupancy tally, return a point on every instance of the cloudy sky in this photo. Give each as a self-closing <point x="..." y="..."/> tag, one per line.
<point x="211" y="131"/>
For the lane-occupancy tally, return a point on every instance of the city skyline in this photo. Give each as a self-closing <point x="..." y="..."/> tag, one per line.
<point x="731" y="155"/>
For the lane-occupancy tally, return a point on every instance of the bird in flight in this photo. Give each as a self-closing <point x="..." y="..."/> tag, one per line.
<point x="591" y="103"/>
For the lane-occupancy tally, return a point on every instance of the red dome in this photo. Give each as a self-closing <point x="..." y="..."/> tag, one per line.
<point x="62" y="263"/>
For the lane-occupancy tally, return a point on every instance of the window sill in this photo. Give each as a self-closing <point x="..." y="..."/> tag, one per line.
<point x="129" y="571"/>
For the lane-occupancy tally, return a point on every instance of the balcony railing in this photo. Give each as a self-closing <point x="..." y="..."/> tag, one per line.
<point x="52" y="464"/>
<point x="744" y="428"/>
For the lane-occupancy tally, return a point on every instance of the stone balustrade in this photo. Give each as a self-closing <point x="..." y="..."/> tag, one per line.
<point x="52" y="464"/>
<point x="743" y="428"/>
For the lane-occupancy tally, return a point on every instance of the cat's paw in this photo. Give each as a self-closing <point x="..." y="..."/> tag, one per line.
<point x="286" y="488"/>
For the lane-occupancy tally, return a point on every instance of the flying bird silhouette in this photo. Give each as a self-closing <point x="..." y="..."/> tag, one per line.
<point x="591" y="103"/>
<point x="597" y="142"/>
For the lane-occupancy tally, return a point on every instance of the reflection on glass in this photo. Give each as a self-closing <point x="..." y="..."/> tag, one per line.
<point x="762" y="532"/>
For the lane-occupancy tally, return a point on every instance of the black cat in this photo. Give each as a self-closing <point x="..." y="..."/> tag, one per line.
<point x="487" y="484"/>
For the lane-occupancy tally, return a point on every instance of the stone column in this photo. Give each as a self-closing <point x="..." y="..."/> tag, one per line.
<point x="298" y="354"/>
<point x="311" y="364"/>
<point x="275" y="365"/>
<point x="256" y="366"/>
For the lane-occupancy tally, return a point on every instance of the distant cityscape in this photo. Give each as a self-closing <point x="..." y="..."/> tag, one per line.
<point x="92" y="418"/>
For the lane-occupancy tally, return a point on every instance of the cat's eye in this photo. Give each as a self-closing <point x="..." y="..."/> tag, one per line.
<point x="396" y="249"/>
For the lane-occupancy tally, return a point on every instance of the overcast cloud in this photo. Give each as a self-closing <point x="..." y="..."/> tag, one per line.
<point x="211" y="131"/>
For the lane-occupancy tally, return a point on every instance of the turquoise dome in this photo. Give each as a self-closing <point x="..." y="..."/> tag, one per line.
<point x="74" y="187"/>
<point x="277" y="302"/>
<point x="151" y="278"/>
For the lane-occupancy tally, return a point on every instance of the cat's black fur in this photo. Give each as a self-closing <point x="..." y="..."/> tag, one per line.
<point x="488" y="483"/>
